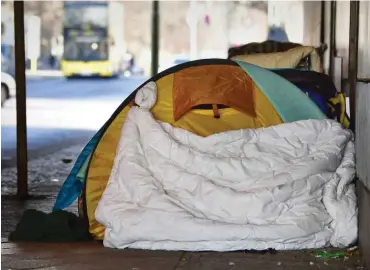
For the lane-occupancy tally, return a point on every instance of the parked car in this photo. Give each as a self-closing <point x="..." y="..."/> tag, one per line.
<point x="7" y="87"/>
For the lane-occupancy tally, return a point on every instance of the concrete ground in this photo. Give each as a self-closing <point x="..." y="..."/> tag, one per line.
<point x="46" y="175"/>
<point x="61" y="101"/>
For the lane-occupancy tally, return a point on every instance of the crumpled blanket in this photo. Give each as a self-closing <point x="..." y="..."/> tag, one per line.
<point x="288" y="186"/>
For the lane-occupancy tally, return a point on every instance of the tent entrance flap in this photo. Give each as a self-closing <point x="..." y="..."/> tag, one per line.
<point x="226" y="85"/>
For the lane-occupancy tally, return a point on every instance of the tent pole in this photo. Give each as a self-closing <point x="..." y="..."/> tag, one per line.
<point x="20" y="78"/>
<point x="155" y="37"/>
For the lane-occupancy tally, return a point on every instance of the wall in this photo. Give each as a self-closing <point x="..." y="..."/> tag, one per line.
<point x="363" y="90"/>
<point x="363" y="97"/>
<point x="363" y="131"/>
<point x="362" y="106"/>
<point x="312" y="22"/>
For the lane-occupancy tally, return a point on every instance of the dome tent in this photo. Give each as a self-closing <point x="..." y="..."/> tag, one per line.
<point x="204" y="97"/>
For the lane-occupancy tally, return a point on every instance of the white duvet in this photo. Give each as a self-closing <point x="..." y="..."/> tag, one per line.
<point x="284" y="187"/>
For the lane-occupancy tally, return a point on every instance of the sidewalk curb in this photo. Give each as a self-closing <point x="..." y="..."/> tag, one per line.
<point x="44" y="74"/>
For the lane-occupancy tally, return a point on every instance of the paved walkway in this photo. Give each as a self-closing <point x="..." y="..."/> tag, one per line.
<point x="46" y="176"/>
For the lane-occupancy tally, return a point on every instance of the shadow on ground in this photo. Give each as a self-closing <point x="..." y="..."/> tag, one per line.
<point x="41" y="142"/>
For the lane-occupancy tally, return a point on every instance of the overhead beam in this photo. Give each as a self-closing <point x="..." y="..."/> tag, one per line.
<point x="354" y="22"/>
<point x="20" y="78"/>
<point x="155" y="37"/>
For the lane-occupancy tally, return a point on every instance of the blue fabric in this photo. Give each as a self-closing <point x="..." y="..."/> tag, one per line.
<point x="75" y="181"/>
<point x="288" y="100"/>
<point x="318" y="99"/>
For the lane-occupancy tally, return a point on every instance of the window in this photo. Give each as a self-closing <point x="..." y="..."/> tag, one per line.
<point x="86" y="16"/>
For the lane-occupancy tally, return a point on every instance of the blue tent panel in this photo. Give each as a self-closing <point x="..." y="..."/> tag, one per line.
<point x="288" y="100"/>
<point x="75" y="181"/>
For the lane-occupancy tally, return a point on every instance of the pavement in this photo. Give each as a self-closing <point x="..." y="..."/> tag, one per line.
<point x="46" y="175"/>
<point x="62" y="113"/>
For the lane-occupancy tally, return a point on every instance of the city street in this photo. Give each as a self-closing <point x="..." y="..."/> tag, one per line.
<point x="62" y="113"/>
